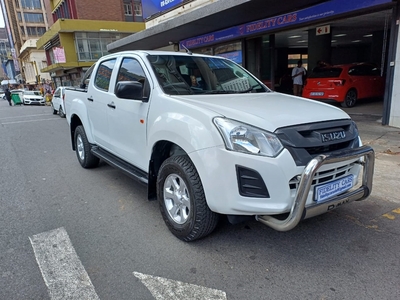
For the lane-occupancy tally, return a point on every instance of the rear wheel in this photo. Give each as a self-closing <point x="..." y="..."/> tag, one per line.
<point x="61" y="112"/>
<point x="182" y="201"/>
<point x="350" y="99"/>
<point x="54" y="111"/>
<point x="82" y="148"/>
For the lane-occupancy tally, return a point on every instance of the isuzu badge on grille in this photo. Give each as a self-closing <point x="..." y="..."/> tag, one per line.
<point x="333" y="136"/>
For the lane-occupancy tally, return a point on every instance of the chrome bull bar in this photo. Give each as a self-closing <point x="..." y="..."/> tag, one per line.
<point x="299" y="212"/>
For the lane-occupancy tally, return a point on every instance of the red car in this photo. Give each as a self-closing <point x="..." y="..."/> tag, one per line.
<point x="345" y="83"/>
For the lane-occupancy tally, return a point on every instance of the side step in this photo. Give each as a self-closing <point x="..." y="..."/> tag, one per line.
<point x="120" y="164"/>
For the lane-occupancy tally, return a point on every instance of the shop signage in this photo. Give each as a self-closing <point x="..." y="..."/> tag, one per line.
<point x="314" y="13"/>
<point x="152" y="7"/>
<point x="59" y="55"/>
<point x="323" y="30"/>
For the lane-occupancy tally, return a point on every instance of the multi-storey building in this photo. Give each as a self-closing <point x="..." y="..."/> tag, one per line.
<point x="81" y="31"/>
<point x="26" y="20"/>
<point x="5" y="53"/>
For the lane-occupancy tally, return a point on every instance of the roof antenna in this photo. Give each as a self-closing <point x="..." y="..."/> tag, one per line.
<point x="183" y="46"/>
<point x="187" y="50"/>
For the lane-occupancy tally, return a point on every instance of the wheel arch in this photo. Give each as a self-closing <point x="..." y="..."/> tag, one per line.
<point x="160" y="152"/>
<point x="75" y="122"/>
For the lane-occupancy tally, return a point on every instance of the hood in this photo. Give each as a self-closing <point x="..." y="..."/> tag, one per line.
<point x="33" y="97"/>
<point x="267" y="110"/>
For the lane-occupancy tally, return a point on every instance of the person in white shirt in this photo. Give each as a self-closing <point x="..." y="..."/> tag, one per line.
<point x="297" y="76"/>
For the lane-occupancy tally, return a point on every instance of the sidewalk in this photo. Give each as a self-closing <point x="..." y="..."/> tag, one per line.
<point x="385" y="141"/>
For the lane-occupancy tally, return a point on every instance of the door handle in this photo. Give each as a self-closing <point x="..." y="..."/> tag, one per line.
<point x="90" y="99"/>
<point x="112" y="105"/>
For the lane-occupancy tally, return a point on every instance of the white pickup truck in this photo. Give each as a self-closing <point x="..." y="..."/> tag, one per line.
<point x="210" y="139"/>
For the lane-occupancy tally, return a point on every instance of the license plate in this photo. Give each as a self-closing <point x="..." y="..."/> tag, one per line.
<point x="325" y="191"/>
<point x="316" y="93"/>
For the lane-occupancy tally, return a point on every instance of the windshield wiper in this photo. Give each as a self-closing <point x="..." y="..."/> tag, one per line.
<point x="230" y="91"/>
<point x="219" y="92"/>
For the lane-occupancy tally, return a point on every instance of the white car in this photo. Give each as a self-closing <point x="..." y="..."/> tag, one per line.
<point x="32" y="97"/>
<point x="57" y="103"/>
<point x="229" y="146"/>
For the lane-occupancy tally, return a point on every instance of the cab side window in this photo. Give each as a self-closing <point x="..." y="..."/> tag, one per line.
<point x="57" y="93"/>
<point x="131" y="71"/>
<point x="103" y="74"/>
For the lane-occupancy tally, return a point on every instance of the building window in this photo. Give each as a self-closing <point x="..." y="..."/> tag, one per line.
<point x="138" y="9"/>
<point x="294" y="58"/>
<point x="128" y="9"/>
<point x="93" y="45"/>
<point x="35" y="31"/>
<point x="31" y="4"/>
<point x="33" y="18"/>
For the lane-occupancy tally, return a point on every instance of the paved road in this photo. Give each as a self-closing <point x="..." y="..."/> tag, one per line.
<point x="97" y="227"/>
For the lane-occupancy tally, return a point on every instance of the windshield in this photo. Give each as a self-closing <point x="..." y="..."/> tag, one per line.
<point x="188" y="74"/>
<point x="36" y="93"/>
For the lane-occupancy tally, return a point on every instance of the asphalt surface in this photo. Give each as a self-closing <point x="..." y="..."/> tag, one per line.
<point x="350" y="253"/>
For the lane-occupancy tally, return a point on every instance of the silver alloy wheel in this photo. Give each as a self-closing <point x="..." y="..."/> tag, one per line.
<point x="176" y="198"/>
<point x="80" y="147"/>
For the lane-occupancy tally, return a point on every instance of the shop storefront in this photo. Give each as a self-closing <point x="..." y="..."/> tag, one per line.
<point x="337" y="31"/>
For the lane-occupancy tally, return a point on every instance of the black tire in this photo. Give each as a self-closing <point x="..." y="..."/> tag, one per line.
<point x="185" y="210"/>
<point x="82" y="149"/>
<point x="350" y="99"/>
<point x="54" y="111"/>
<point x="61" y="112"/>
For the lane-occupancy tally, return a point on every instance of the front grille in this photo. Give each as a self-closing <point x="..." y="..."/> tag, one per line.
<point x="306" y="141"/>
<point x="326" y="148"/>
<point x="324" y="176"/>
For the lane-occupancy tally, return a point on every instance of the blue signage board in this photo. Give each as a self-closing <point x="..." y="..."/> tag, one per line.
<point x="314" y="13"/>
<point x="151" y="7"/>
<point x="236" y="56"/>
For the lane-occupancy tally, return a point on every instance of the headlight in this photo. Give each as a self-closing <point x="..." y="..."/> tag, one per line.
<point x="244" y="138"/>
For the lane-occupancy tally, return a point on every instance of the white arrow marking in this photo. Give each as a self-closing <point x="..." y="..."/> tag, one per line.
<point x="167" y="289"/>
<point x="62" y="271"/>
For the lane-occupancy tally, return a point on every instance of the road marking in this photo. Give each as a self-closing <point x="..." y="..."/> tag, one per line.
<point x="396" y="211"/>
<point x="16" y="122"/>
<point x="23" y="116"/>
<point x="167" y="289"/>
<point x="390" y="216"/>
<point x="62" y="271"/>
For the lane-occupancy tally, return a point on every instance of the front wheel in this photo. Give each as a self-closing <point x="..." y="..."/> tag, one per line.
<point x="350" y="99"/>
<point x="182" y="201"/>
<point x="61" y="112"/>
<point x="54" y="111"/>
<point x="82" y="148"/>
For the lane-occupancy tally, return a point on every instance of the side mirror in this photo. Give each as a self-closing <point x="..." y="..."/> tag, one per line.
<point x="132" y="90"/>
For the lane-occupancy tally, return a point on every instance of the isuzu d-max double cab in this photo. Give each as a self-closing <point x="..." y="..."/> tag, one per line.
<point x="210" y="139"/>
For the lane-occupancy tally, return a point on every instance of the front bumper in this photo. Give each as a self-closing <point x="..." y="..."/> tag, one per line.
<point x="34" y="102"/>
<point x="299" y="211"/>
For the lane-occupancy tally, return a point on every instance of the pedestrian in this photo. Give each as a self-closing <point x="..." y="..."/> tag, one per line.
<point x="297" y="76"/>
<point x="8" y="96"/>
